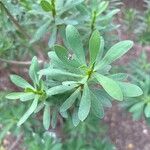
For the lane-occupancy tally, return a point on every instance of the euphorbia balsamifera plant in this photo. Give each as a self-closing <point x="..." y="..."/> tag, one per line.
<point x="75" y="84"/>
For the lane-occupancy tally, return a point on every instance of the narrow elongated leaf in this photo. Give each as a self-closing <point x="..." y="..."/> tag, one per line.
<point x="53" y="37"/>
<point x="29" y="111"/>
<point x="75" y="118"/>
<point x="14" y="95"/>
<point x="46" y="6"/>
<point x="119" y="76"/>
<point x="75" y="43"/>
<point x="40" y="32"/>
<point x="69" y="102"/>
<point x="46" y="117"/>
<point x="19" y="81"/>
<point x="56" y="72"/>
<point x="62" y="54"/>
<point x="110" y="86"/>
<point x="96" y="106"/>
<point x="27" y="96"/>
<point x="130" y="90"/>
<point x="39" y="107"/>
<point x="102" y="7"/>
<point x="69" y="82"/>
<point x="103" y="97"/>
<point x="34" y="68"/>
<point x="85" y="104"/>
<point x="138" y="107"/>
<point x="102" y="44"/>
<point x="147" y="110"/>
<point x="110" y="14"/>
<point x="70" y="4"/>
<point x="115" y="52"/>
<point x="59" y="89"/>
<point x="94" y="46"/>
<point x="64" y="114"/>
<point x="54" y="119"/>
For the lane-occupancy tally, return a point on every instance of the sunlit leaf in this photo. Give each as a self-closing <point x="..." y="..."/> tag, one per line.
<point x="85" y="104"/>
<point x="110" y="86"/>
<point x="75" y="43"/>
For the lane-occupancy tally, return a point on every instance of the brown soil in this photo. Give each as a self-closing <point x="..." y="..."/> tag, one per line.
<point x="125" y="133"/>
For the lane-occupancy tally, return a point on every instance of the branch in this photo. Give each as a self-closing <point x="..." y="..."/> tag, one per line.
<point x="16" y="142"/>
<point x="23" y="63"/>
<point x="20" y="28"/>
<point x="15" y="21"/>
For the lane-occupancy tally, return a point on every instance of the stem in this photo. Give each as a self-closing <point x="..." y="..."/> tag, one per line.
<point x="53" y="9"/>
<point x="22" y="31"/>
<point x="14" y="21"/>
<point x="13" y="62"/>
<point x="16" y="142"/>
<point x="93" y="21"/>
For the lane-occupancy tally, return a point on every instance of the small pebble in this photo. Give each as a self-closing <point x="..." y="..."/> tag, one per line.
<point x="130" y="146"/>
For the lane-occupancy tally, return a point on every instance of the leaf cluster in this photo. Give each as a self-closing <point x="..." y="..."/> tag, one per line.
<point x="73" y="82"/>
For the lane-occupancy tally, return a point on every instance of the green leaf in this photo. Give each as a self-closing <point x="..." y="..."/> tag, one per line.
<point x="103" y="97"/>
<point x="62" y="54"/>
<point x="54" y="119"/>
<point x="75" y="118"/>
<point x="39" y="107"/>
<point x="110" y="86"/>
<point x="102" y="44"/>
<point x="27" y="96"/>
<point x="119" y="76"/>
<point x="102" y="7"/>
<point x="109" y="15"/>
<point x="70" y="4"/>
<point x="46" y="6"/>
<point x="40" y="32"/>
<point x="21" y="95"/>
<point x="96" y="106"/>
<point x="59" y="89"/>
<point x="94" y="46"/>
<point x="34" y="68"/>
<point x="130" y="90"/>
<point x="115" y="52"/>
<point x="29" y="111"/>
<point x="19" y="81"/>
<point x="53" y="37"/>
<point x="69" y="102"/>
<point x="56" y="72"/>
<point x="138" y="107"/>
<point x="85" y="104"/>
<point x="147" y="110"/>
<point x="74" y="41"/>
<point x="46" y="117"/>
<point x="14" y="95"/>
<point x="64" y="114"/>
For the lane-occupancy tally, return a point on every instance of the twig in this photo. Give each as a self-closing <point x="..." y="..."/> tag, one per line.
<point x="15" y="21"/>
<point x="13" y="62"/>
<point x="16" y="142"/>
<point x="22" y="31"/>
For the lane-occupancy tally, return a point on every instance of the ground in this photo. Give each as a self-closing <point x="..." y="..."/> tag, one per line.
<point x="125" y="133"/>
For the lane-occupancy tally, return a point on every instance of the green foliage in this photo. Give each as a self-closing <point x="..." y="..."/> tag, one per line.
<point x="85" y="131"/>
<point x="73" y="89"/>
<point x="35" y="93"/>
<point x="138" y="22"/>
<point x="74" y="80"/>
<point x="140" y="106"/>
